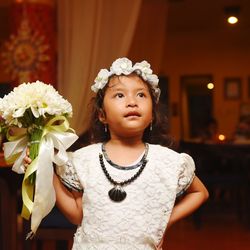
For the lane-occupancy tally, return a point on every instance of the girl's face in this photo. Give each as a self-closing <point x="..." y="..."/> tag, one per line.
<point x="127" y="106"/>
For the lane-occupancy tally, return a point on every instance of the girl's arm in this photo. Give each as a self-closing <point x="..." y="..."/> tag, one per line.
<point x="196" y="194"/>
<point x="70" y="203"/>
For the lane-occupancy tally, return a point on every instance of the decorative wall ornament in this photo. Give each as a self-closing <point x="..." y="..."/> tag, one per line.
<point x="25" y="53"/>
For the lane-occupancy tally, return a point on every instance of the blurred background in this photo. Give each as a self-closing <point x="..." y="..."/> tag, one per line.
<point x="203" y="62"/>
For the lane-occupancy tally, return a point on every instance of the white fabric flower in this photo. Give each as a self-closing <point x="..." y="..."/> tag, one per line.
<point x="153" y="80"/>
<point x="101" y="80"/>
<point x="144" y="67"/>
<point x="122" y="66"/>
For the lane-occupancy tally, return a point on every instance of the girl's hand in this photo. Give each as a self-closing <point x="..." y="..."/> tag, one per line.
<point x="26" y="159"/>
<point x="195" y="196"/>
<point x="159" y="247"/>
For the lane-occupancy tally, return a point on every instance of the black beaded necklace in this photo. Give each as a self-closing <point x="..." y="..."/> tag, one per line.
<point x="117" y="193"/>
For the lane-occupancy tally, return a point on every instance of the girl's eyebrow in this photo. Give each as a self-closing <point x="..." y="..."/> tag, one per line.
<point x="113" y="88"/>
<point x="116" y="89"/>
<point x="139" y="89"/>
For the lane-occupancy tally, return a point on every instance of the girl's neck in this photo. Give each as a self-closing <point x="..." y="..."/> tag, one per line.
<point x="124" y="152"/>
<point x="131" y="142"/>
<point x="120" y="140"/>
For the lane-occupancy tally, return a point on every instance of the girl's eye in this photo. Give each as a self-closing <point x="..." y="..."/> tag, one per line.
<point x="119" y="95"/>
<point x="141" y="94"/>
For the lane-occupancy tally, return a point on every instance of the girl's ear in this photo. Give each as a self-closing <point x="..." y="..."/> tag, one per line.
<point x="102" y="116"/>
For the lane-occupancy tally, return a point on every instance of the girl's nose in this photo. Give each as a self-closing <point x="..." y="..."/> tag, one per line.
<point x="131" y="102"/>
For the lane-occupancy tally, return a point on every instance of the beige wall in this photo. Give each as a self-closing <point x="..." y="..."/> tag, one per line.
<point x="221" y="54"/>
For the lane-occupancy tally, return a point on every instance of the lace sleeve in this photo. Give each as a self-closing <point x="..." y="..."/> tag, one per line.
<point x="186" y="173"/>
<point x="68" y="176"/>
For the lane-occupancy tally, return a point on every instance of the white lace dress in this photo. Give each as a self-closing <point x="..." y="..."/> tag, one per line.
<point x="139" y="221"/>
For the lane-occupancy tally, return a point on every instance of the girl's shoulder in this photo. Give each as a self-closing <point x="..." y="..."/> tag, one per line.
<point x="164" y="153"/>
<point x="88" y="150"/>
<point x="158" y="150"/>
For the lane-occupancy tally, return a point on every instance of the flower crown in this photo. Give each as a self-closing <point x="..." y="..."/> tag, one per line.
<point x="123" y="66"/>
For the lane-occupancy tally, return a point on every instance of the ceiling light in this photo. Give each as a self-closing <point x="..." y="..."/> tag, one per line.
<point x="232" y="14"/>
<point x="232" y="19"/>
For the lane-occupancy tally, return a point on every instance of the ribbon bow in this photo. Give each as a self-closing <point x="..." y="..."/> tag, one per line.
<point x="39" y="197"/>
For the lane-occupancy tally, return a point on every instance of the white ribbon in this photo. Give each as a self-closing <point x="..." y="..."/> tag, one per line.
<point x="17" y="147"/>
<point x="44" y="199"/>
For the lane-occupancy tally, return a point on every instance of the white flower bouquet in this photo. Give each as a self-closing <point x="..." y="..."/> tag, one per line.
<point x="35" y="116"/>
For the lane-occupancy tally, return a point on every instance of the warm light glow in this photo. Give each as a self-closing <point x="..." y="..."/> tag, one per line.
<point x="210" y="85"/>
<point x="232" y="20"/>
<point x="221" y="137"/>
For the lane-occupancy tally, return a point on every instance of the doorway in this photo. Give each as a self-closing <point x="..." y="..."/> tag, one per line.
<point x="196" y="105"/>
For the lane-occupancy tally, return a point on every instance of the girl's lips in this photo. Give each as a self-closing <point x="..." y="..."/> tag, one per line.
<point x="132" y="113"/>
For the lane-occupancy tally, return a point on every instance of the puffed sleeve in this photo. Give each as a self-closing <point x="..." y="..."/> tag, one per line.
<point x="68" y="176"/>
<point x="186" y="173"/>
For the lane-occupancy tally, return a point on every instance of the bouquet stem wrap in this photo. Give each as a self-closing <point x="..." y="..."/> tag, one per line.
<point x="35" y="135"/>
<point x="37" y="188"/>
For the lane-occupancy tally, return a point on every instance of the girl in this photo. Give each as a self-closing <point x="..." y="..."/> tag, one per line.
<point x="121" y="190"/>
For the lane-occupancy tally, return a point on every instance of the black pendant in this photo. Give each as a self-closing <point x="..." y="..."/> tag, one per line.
<point x="117" y="194"/>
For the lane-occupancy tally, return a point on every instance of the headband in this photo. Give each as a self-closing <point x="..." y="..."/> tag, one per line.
<point x="123" y="66"/>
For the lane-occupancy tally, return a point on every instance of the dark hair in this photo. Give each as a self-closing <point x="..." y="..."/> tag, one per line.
<point x="158" y="135"/>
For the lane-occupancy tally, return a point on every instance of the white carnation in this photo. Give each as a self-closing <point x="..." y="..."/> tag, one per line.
<point x="42" y="99"/>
